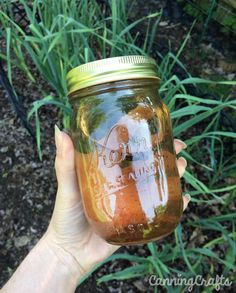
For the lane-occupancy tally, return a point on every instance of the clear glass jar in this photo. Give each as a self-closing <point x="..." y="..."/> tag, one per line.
<point x="125" y="159"/>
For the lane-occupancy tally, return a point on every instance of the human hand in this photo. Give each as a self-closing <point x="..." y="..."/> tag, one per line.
<point x="69" y="229"/>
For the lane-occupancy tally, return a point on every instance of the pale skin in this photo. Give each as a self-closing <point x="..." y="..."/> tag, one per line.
<point x="69" y="248"/>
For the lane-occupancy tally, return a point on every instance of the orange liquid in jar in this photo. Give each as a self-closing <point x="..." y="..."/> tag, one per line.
<point x="129" y="181"/>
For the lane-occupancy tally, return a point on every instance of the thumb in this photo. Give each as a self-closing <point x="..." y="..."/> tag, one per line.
<point x="68" y="219"/>
<point x="68" y="189"/>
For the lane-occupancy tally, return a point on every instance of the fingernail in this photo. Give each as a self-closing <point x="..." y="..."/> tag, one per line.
<point x="58" y="139"/>
<point x="188" y="196"/>
<point x="184" y="160"/>
<point x="183" y="144"/>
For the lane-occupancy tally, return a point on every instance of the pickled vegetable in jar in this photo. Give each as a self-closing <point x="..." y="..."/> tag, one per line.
<point x="124" y="151"/>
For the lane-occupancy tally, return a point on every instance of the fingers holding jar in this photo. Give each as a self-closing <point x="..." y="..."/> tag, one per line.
<point x="186" y="200"/>
<point x="179" y="145"/>
<point x="181" y="165"/>
<point x="181" y="162"/>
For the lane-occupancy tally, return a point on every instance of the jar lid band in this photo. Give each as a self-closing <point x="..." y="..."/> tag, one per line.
<point x="109" y="70"/>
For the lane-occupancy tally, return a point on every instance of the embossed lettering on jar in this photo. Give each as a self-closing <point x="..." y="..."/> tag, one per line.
<point x="125" y="159"/>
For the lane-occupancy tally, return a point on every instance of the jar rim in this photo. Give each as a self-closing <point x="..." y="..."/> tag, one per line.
<point x="110" y="70"/>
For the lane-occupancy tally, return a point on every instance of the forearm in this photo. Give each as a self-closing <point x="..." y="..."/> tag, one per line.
<point x="45" y="269"/>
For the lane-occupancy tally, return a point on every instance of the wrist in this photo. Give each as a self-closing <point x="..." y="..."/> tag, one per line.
<point x="63" y="262"/>
<point x="47" y="268"/>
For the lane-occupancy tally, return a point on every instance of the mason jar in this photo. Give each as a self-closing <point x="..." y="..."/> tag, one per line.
<point x="124" y="152"/>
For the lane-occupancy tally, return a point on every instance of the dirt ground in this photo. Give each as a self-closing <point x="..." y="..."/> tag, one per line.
<point x="28" y="186"/>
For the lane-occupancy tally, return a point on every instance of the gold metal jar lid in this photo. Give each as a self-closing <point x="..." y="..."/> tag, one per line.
<point x="111" y="69"/>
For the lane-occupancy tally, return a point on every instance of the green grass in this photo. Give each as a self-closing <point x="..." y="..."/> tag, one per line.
<point x="67" y="35"/>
